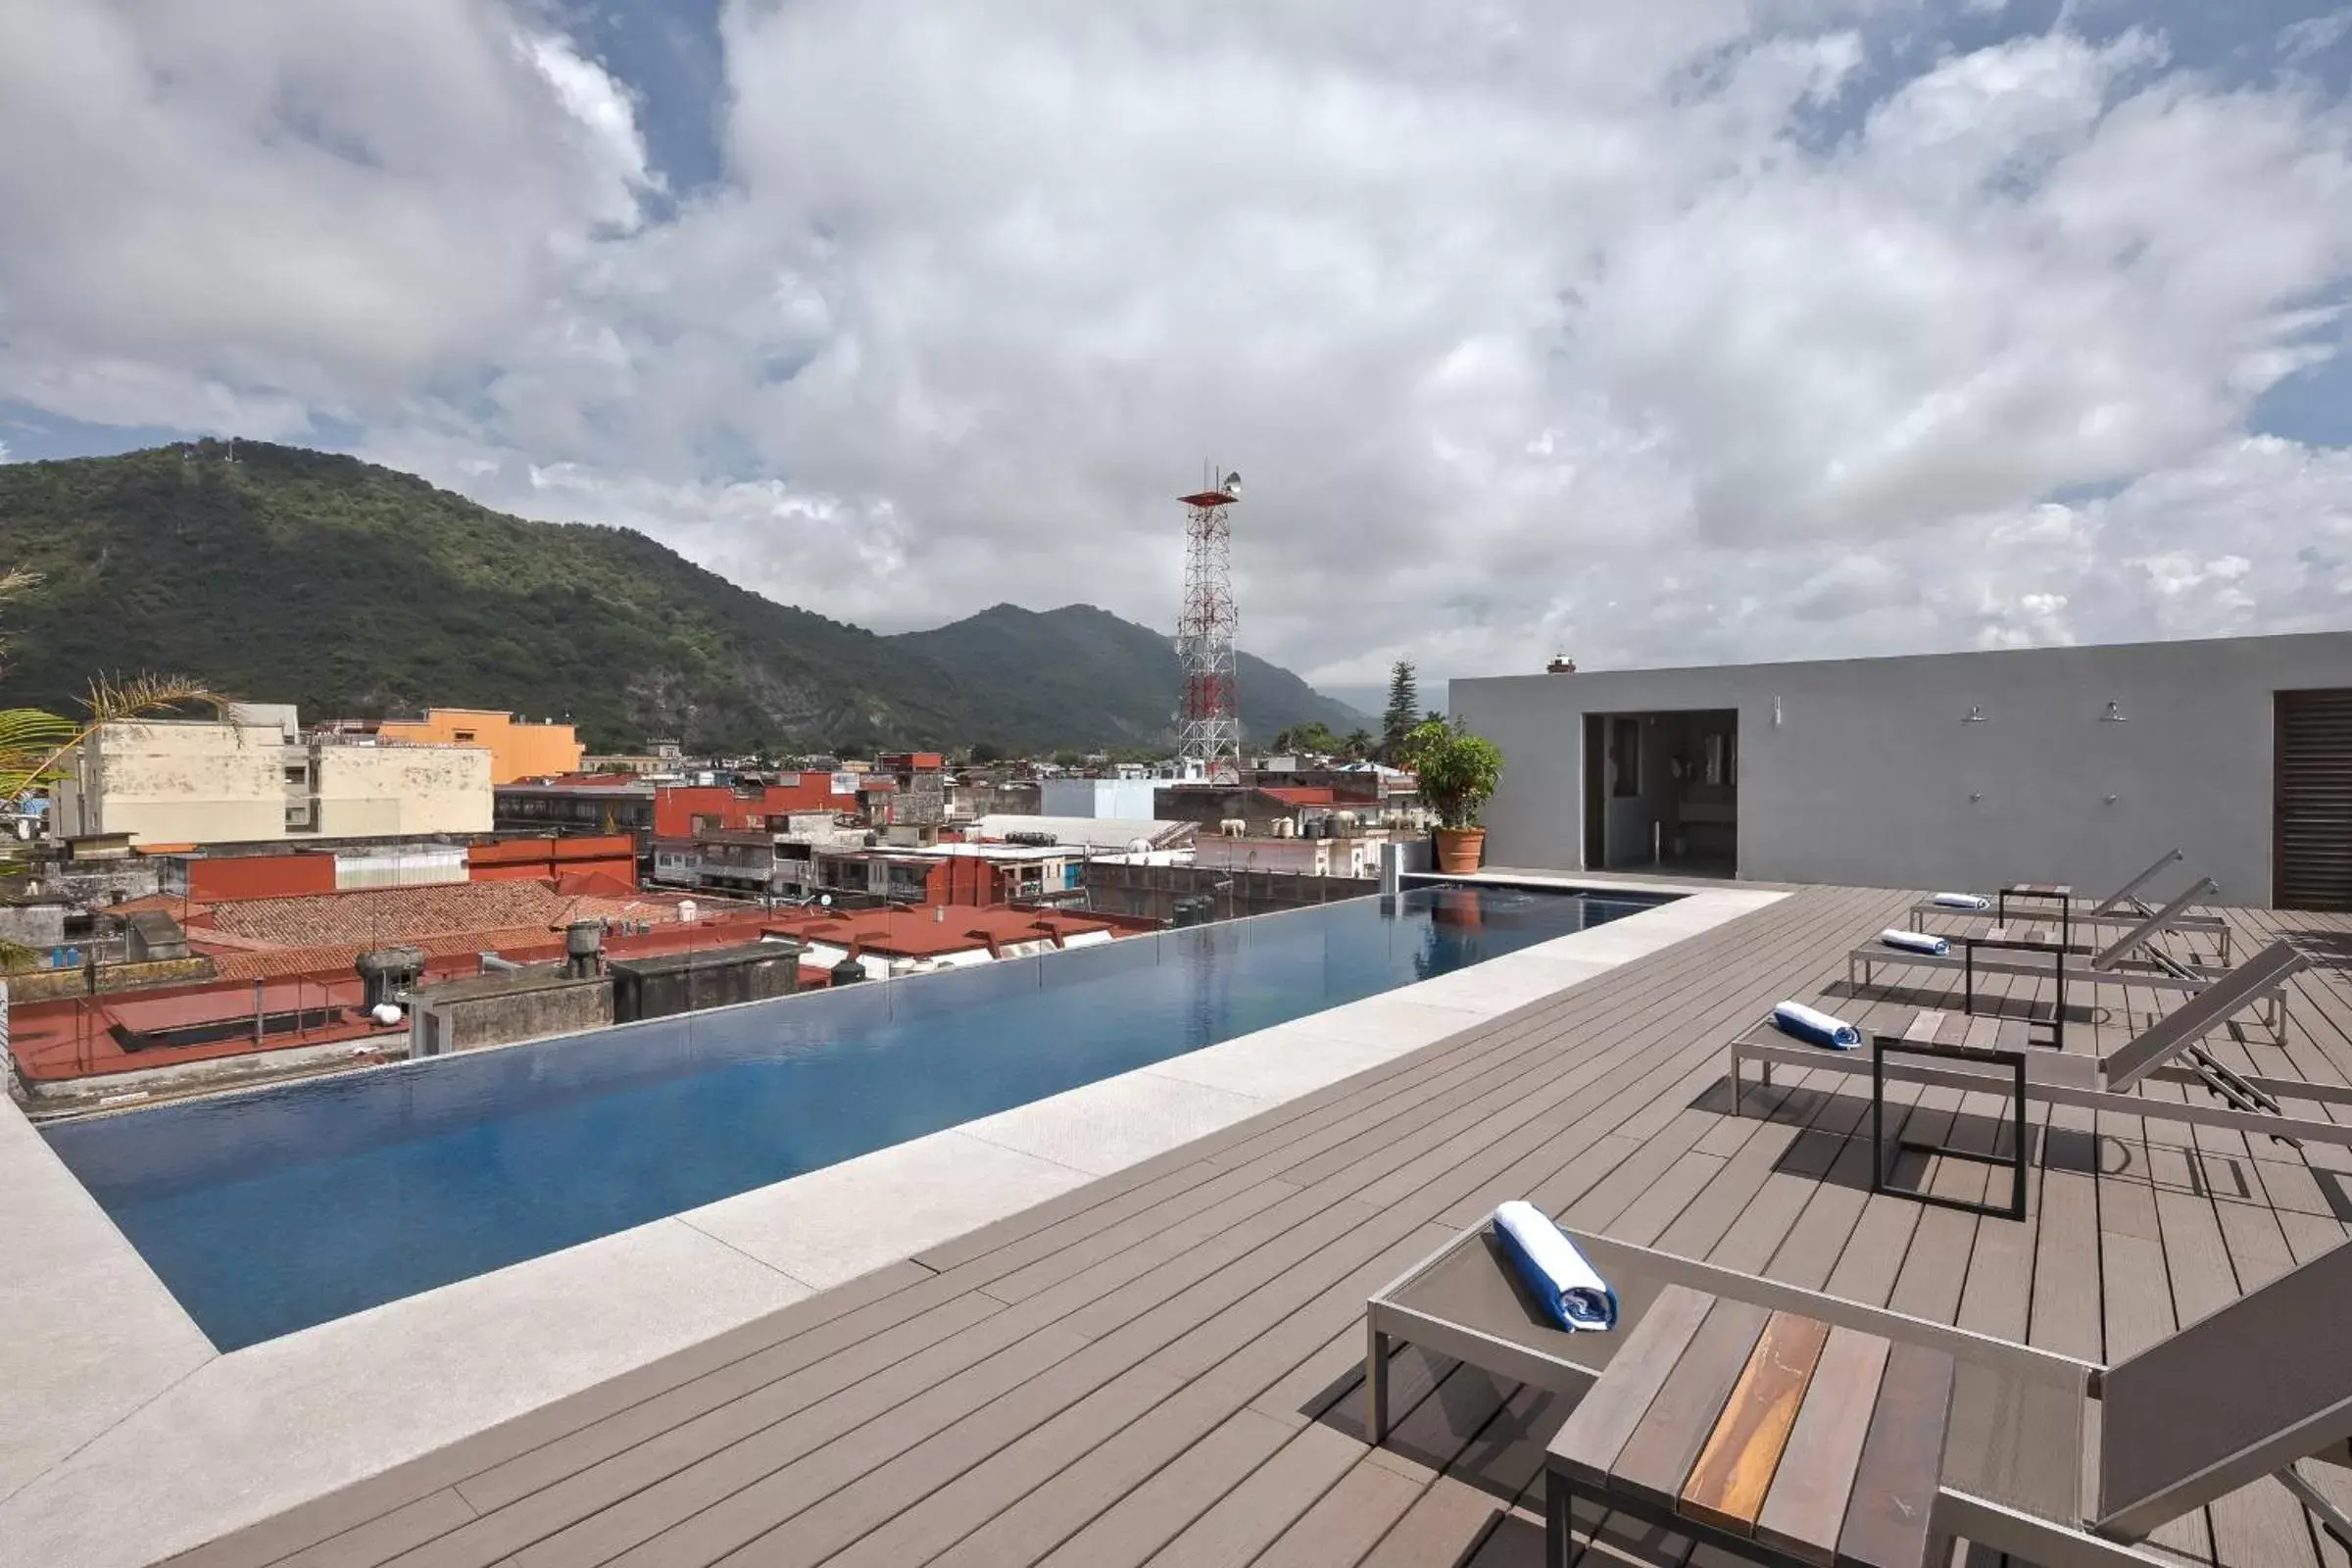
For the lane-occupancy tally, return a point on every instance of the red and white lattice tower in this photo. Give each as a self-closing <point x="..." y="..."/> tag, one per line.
<point x="1209" y="723"/>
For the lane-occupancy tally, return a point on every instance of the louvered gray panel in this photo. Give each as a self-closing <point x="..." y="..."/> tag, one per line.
<point x="2311" y="856"/>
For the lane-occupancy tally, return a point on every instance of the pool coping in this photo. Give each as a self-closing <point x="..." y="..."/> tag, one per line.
<point x="126" y="1437"/>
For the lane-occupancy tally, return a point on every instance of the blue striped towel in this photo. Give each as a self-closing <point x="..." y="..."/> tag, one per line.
<point x="1570" y="1290"/>
<point x="1812" y="1024"/>
<point x="1915" y="942"/>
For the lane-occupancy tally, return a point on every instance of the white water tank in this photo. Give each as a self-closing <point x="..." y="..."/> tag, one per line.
<point x="686" y="910"/>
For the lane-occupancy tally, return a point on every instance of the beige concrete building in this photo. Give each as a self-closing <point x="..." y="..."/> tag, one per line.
<point x="253" y="776"/>
<point x="381" y="791"/>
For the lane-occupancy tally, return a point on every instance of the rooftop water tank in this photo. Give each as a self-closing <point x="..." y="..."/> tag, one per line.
<point x="584" y="948"/>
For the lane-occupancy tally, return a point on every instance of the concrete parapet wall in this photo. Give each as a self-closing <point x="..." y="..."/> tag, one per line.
<point x="52" y="985"/>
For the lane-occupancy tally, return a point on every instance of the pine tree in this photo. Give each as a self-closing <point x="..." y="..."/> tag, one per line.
<point x="1404" y="711"/>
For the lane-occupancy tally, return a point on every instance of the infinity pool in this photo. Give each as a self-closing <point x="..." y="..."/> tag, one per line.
<point x="270" y="1211"/>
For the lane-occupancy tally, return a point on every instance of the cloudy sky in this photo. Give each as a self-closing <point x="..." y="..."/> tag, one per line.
<point x="1668" y="333"/>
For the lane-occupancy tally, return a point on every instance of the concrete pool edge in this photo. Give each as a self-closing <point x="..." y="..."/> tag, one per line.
<point x="194" y="1443"/>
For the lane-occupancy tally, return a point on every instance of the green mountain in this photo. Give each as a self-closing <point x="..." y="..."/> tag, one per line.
<point x="1117" y="680"/>
<point x="357" y="591"/>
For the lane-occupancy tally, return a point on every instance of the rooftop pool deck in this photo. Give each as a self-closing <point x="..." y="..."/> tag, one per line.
<point x="1130" y="1327"/>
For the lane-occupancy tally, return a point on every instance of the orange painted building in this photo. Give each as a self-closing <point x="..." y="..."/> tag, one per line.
<point x="517" y="748"/>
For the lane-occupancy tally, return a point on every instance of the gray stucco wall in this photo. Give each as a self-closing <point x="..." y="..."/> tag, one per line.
<point x="1871" y="777"/>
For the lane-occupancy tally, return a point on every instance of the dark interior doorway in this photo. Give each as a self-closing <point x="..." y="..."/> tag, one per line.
<point x="1662" y="792"/>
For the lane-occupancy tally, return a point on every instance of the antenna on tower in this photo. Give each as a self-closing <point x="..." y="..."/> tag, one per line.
<point x="1210" y="730"/>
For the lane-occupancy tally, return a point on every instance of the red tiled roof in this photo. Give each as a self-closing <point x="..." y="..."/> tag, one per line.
<point x="205" y="938"/>
<point x="172" y="904"/>
<point x="600" y="884"/>
<point x="522" y="942"/>
<point x="380" y="917"/>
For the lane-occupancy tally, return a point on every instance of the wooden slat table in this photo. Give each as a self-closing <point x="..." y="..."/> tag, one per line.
<point x="1772" y="1433"/>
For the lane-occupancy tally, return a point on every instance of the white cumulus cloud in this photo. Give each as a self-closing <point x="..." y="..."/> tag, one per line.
<point x="1666" y="332"/>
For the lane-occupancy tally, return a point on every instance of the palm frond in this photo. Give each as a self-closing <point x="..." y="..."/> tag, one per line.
<point x="32" y="743"/>
<point x="30" y="729"/>
<point x="116" y="698"/>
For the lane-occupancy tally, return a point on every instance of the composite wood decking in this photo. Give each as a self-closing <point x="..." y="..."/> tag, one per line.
<point x="1163" y="1367"/>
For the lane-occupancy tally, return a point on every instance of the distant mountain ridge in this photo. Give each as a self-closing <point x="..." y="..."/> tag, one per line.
<point x="1123" y="676"/>
<point x="356" y="590"/>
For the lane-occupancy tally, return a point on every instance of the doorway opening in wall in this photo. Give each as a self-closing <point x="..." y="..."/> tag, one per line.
<point x="1662" y="792"/>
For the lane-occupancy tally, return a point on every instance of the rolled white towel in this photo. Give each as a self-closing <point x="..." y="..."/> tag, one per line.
<point x="1570" y="1289"/>
<point x="1812" y="1024"/>
<point x="1915" y="942"/>
<point x="1961" y="900"/>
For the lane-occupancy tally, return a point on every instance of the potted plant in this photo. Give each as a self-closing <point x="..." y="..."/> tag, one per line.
<point x="1458" y="771"/>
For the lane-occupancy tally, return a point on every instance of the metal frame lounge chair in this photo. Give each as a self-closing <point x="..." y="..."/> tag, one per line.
<point x="2245" y="1393"/>
<point x="2114" y="964"/>
<point x="2250" y="1103"/>
<point x="2125" y="908"/>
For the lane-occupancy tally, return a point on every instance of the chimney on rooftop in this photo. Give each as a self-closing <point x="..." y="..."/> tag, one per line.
<point x="584" y="949"/>
<point x="1561" y="664"/>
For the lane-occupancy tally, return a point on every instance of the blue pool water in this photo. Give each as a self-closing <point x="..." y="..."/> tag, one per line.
<point x="270" y="1211"/>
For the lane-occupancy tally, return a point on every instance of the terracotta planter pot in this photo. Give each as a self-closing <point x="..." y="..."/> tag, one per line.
<point x="1461" y="848"/>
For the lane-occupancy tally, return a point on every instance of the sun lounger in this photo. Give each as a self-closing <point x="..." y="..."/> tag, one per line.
<point x="2126" y="959"/>
<point x="2243" y="1392"/>
<point x="2249" y="1103"/>
<point x="2125" y="900"/>
<point x="2125" y="908"/>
